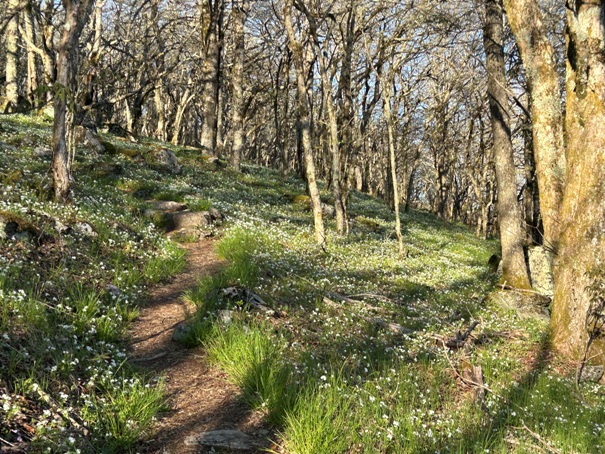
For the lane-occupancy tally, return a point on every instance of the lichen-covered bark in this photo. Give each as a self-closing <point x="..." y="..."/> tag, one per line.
<point x="582" y="241"/>
<point x="512" y="235"/>
<point x="546" y="114"/>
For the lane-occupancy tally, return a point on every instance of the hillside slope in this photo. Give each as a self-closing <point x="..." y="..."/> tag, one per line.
<point x="348" y="349"/>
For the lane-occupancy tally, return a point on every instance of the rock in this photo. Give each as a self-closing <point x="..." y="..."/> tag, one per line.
<point x="114" y="291"/>
<point x="526" y="305"/>
<point x="85" y="229"/>
<point x="84" y="136"/>
<point x="327" y="211"/>
<point x="181" y="332"/>
<point x="60" y="227"/>
<point x="42" y="151"/>
<point x="540" y="270"/>
<point x="168" y="159"/>
<point x="169" y="206"/>
<point x="592" y="374"/>
<point x="229" y="439"/>
<point x="225" y="317"/>
<point x="190" y="220"/>
<point x="216" y="216"/>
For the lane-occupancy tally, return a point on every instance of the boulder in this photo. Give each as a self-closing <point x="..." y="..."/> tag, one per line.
<point x="189" y="220"/>
<point x="327" y="211"/>
<point x="84" y="136"/>
<point x="592" y="374"/>
<point x="168" y="159"/>
<point x="42" y="151"/>
<point x="540" y="270"/>
<point x="85" y="229"/>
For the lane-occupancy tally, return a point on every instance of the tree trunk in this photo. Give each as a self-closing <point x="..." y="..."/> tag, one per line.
<point x="334" y="143"/>
<point x="547" y="119"/>
<point x="32" y="77"/>
<point x="237" y="105"/>
<point x="578" y="308"/>
<point x="388" y="116"/>
<point x="12" y="36"/>
<point x="76" y="16"/>
<point x="212" y="21"/>
<point x="304" y="118"/>
<point x="512" y="235"/>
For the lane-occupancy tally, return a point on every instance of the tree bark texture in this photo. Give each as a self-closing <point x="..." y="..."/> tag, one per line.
<point x="512" y="235"/>
<point x="76" y="16"/>
<point x="580" y="261"/>
<point x="546" y="114"/>
<point x="237" y="104"/>
<point x="211" y="21"/>
<point x="304" y="118"/>
<point x="12" y="36"/>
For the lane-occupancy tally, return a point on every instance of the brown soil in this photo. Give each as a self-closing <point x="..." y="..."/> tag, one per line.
<point x="200" y="397"/>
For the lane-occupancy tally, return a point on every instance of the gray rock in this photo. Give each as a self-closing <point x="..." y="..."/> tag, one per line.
<point x="86" y="137"/>
<point x="190" y="220"/>
<point x="114" y="291"/>
<point x="85" y="229"/>
<point x="230" y="439"/>
<point x="42" y="151"/>
<point x="166" y="205"/>
<point x="327" y="211"/>
<point x="540" y="270"/>
<point x="168" y="159"/>
<point x="225" y="317"/>
<point x="181" y="332"/>
<point x="592" y="374"/>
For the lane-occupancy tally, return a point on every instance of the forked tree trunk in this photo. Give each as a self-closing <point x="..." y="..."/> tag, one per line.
<point x="579" y="266"/>
<point x="237" y="105"/>
<point x="76" y="16"/>
<point x="304" y="118"/>
<point x="546" y="114"/>
<point x="512" y="235"/>
<point x="334" y="143"/>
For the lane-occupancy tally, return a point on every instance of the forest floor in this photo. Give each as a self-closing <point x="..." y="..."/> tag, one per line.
<point x="284" y="345"/>
<point x="200" y="398"/>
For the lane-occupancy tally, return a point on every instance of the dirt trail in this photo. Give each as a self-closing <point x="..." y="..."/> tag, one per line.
<point x="200" y="397"/>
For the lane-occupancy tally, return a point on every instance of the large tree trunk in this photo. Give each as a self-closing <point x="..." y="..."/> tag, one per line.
<point x="76" y="16"/>
<point x="12" y="36"/>
<point x="304" y="118"/>
<point x="547" y="119"/>
<point x="212" y="21"/>
<point x="579" y="267"/>
<point x="237" y="105"/>
<point x="512" y="235"/>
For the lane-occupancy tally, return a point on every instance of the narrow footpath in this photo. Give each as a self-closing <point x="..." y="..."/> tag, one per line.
<point x="206" y="413"/>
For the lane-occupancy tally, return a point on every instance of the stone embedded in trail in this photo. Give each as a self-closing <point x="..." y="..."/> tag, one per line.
<point x="190" y="220"/>
<point x="230" y="439"/>
<point x="181" y="332"/>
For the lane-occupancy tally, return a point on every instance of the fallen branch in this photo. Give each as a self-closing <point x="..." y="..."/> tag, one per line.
<point x="460" y="339"/>
<point x="538" y="438"/>
<point x="350" y="300"/>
